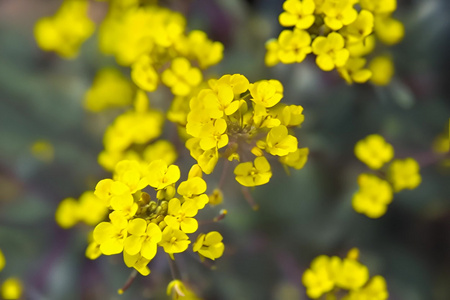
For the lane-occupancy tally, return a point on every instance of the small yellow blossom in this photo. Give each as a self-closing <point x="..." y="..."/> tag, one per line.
<point x="209" y="245"/>
<point x="373" y="196"/>
<point x="360" y="28"/>
<point x="279" y="142"/>
<point x="330" y="51"/>
<point x="109" y="89"/>
<point x="338" y="13"/>
<point x="374" y="289"/>
<point x="138" y="262"/>
<point x="320" y="278"/>
<point x="143" y="238"/>
<point x="179" y="290"/>
<point x="265" y="93"/>
<point x="352" y="274"/>
<point x="374" y="151"/>
<point x="160" y="175"/>
<point x="389" y="30"/>
<point x="382" y="69"/>
<point x="253" y="174"/>
<point x="174" y="240"/>
<point x="65" y="31"/>
<point x="404" y="174"/>
<point x="67" y="213"/>
<point x="298" y="13"/>
<point x="216" y="197"/>
<point x="144" y="74"/>
<point x="354" y="71"/>
<point x="111" y="235"/>
<point x="181" y="77"/>
<point x="11" y="289"/>
<point x="296" y="159"/>
<point x="294" y="46"/>
<point x="180" y="216"/>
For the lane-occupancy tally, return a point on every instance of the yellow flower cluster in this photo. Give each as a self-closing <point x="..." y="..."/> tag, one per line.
<point x="138" y="225"/>
<point x="376" y="193"/>
<point x="242" y="118"/>
<point x="65" y="31"/>
<point x="11" y="288"/>
<point x="327" y="275"/>
<point x="338" y="35"/>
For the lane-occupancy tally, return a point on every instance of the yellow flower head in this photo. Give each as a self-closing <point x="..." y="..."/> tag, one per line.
<point x="181" y="77"/>
<point x="143" y="238"/>
<point x="382" y="69"/>
<point x="180" y="216"/>
<point x="373" y="196"/>
<point x="65" y="31"/>
<point x="209" y="245"/>
<point x="253" y="174"/>
<point x="160" y="175"/>
<point x="352" y="275"/>
<point x="320" y="278"/>
<point x="404" y="174"/>
<point x="174" y="240"/>
<point x="111" y="235"/>
<point x="293" y="46"/>
<point x="374" y="151"/>
<point x="298" y="13"/>
<point x="330" y="51"/>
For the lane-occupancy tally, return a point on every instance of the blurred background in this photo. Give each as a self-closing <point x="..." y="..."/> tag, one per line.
<point x="49" y="146"/>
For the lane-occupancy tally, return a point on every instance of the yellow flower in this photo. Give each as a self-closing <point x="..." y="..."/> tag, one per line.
<point x="354" y="71"/>
<point x="352" y="275"/>
<point x="296" y="159"/>
<point x="180" y="216"/>
<point x="271" y="58"/>
<point x="379" y="6"/>
<point x="65" y="31"/>
<point x="109" y="89"/>
<point x="330" y="51"/>
<point x="362" y="48"/>
<point x="138" y="262"/>
<point x="265" y="93"/>
<point x="298" y="13"/>
<point x="216" y="197"/>
<point x="360" y="28"/>
<point x="67" y="213"/>
<point x="160" y="175"/>
<point x="253" y="174"/>
<point x="111" y="235"/>
<point x="181" y="77"/>
<point x="320" y="278"/>
<point x="374" y="151"/>
<point x="292" y="115"/>
<point x="389" y="30"/>
<point x="91" y="209"/>
<point x="374" y="289"/>
<point x="279" y="142"/>
<point x="209" y="245"/>
<point x="143" y="238"/>
<point x="174" y="240"/>
<point x="373" y="196"/>
<point x="161" y="149"/>
<point x="293" y="46"/>
<point x="338" y="13"/>
<point x="382" y="69"/>
<point x="404" y="174"/>
<point x="11" y="289"/>
<point x="214" y="135"/>
<point x="193" y="189"/>
<point x="144" y="74"/>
